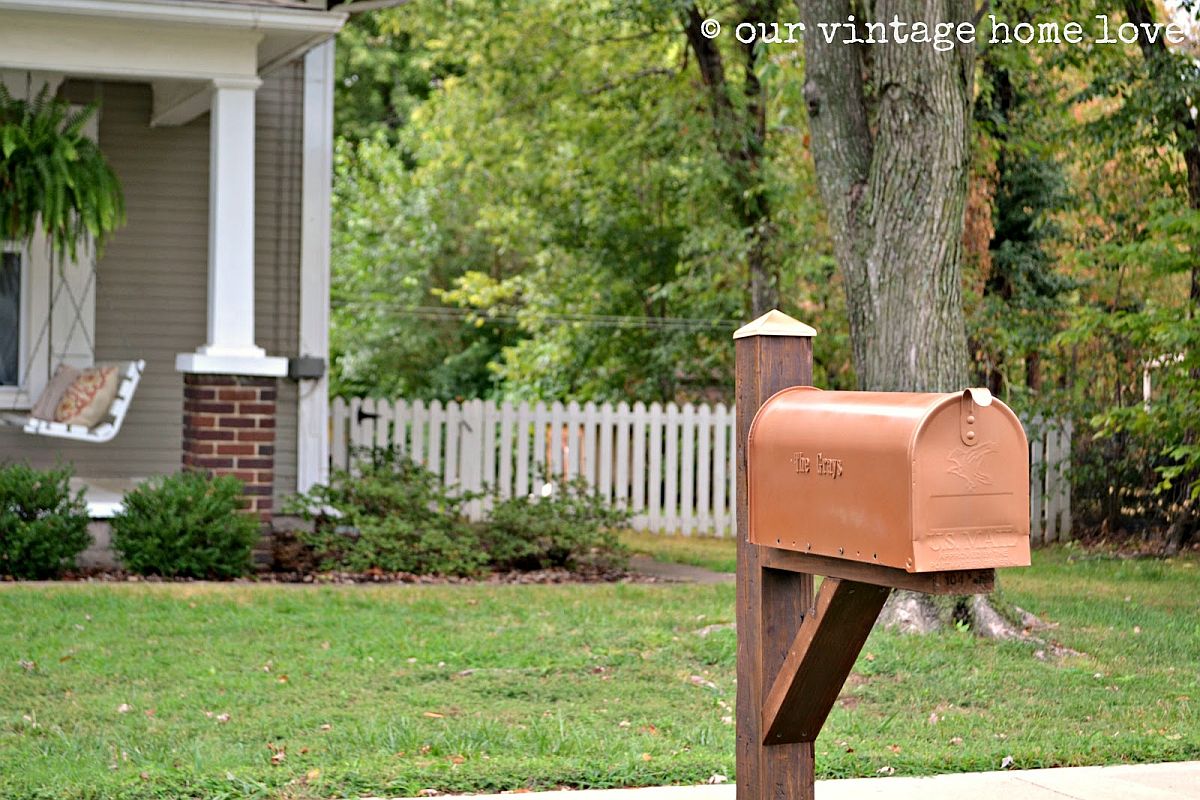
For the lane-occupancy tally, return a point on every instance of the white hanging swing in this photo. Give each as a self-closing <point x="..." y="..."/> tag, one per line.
<point x="41" y="420"/>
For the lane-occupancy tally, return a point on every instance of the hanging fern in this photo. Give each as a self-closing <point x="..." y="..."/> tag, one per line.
<point x="52" y="177"/>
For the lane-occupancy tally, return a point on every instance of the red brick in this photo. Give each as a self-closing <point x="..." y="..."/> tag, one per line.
<point x="209" y="434"/>
<point x="199" y="421"/>
<point x="246" y="435"/>
<point x="257" y="463"/>
<point x="199" y="393"/>
<point x="234" y="449"/>
<point x="239" y="393"/>
<point x="208" y="407"/>
<point x="256" y="408"/>
<point x="255" y="491"/>
<point x="235" y="422"/>
<point x="212" y="462"/>
<point x="266" y="450"/>
<point x="266" y="422"/>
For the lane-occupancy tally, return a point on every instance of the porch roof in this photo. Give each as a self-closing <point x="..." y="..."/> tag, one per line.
<point x="180" y="47"/>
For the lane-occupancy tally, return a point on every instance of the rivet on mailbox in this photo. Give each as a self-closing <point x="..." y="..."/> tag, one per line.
<point x="923" y="482"/>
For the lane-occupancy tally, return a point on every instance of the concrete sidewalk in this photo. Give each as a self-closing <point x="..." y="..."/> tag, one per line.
<point x="1179" y="781"/>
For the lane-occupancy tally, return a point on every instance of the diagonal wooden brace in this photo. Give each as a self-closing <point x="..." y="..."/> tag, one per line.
<point x="819" y="660"/>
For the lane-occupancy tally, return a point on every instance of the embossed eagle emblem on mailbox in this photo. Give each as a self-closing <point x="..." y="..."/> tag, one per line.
<point x="966" y="464"/>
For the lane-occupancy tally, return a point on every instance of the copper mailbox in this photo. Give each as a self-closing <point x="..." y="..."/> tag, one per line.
<point x="922" y="482"/>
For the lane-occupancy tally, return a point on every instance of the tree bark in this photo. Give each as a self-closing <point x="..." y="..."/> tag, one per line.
<point x="740" y="134"/>
<point x="890" y="140"/>
<point x="892" y="169"/>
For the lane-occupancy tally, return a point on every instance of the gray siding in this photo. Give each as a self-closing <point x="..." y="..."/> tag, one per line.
<point x="152" y="279"/>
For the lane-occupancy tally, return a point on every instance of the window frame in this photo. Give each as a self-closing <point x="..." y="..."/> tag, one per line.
<point x="33" y="352"/>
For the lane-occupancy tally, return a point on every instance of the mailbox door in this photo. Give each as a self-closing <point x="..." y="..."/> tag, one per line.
<point x="970" y="488"/>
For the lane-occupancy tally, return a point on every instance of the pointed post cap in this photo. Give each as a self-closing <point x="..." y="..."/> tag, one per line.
<point x="774" y="323"/>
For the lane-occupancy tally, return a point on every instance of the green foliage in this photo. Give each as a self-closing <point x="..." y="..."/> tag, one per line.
<point x="554" y="197"/>
<point x="570" y="526"/>
<point x="43" y="527"/>
<point x="393" y="515"/>
<point x="396" y="516"/>
<point x="53" y="177"/>
<point x="186" y="525"/>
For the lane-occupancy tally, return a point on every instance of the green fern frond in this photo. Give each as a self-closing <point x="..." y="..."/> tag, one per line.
<point x="52" y="177"/>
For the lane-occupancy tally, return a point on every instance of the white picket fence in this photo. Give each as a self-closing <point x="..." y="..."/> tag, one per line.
<point x="672" y="466"/>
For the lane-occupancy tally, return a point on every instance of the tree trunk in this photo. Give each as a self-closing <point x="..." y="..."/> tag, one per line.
<point x="892" y="165"/>
<point x="740" y="134"/>
<point x="894" y="179"/>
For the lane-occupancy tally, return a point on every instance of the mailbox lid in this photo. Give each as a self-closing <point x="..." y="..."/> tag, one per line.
<point x="843" y="474"/>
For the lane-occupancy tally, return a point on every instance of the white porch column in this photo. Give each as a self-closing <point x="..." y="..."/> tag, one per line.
<point x="230" y="349"/>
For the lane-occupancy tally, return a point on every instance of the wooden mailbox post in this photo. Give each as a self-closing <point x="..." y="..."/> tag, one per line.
<point x="795" y="647"/>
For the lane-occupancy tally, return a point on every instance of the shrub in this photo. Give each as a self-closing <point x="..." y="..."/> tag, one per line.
<point x="394" y="516"/>
<point x="43" y="528"/>
<point x="572" y="527"/>
<point x="185" y="525"/>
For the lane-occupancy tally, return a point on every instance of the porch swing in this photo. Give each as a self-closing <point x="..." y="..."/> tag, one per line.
<point x="78" y="403"/>
<point x="56" y="142"/>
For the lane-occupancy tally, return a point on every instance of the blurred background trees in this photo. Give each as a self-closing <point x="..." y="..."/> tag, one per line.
<point x="561" y="200"/>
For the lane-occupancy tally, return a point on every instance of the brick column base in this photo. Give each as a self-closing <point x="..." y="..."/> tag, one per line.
<point x="229" y="429"/>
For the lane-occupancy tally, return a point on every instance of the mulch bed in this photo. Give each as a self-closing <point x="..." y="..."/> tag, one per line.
<point x="544" y="576"/>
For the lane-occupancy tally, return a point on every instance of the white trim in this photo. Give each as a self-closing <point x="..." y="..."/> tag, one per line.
<point x="312" y="434"/>
<point x="202" y="364"/>
<point x="192" y="12"/>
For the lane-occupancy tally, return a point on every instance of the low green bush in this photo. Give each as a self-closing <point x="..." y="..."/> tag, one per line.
<point x="185" y="525"/>
<point x="394" y="516"/>
<point x="43" y="527"/>
<point x="570" y="527"/>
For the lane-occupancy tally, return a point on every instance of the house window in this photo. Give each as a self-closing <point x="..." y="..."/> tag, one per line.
<point x="10" y="317"/>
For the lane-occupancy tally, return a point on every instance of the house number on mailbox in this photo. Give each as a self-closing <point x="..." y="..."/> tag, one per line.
<point x="831" y="467"/>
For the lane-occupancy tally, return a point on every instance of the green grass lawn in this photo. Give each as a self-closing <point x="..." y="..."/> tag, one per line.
<point x="153" y="691"/>
<point x="719" y="555"/>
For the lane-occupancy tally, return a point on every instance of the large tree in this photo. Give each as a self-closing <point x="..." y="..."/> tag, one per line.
<point x="890" y="129"/>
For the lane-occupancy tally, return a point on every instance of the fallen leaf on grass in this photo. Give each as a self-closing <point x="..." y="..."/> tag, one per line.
<point x="326" y="727"/>
<point x="433" y="715"/>
<point x="956" y="740"/>
<point x="717" y="777"/>
<point x="646" y="756"/>
<point x="1006" y="762"/>
<point x="697" y="680"/>
<point x="28" y="666"/>
<point x="124" y="708"/>
<point x="895" y="748"/>
<point x="886" y="771"/>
